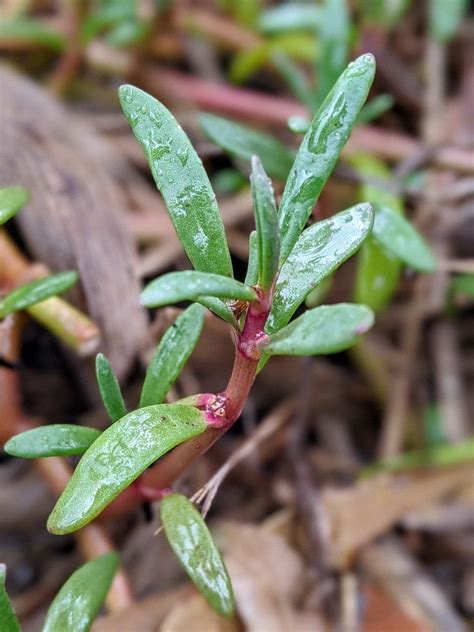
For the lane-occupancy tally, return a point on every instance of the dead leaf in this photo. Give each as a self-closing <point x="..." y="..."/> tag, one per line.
<point x="195" y="615"/>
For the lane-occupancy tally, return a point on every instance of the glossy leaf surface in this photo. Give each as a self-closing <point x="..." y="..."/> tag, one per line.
<point x="294" y="16"/>
<point x="171" y="355"/>
<point x="118" y="457"/>
<point x="52" y="440"/>
<point x="399" y="237"/>
<point x="37" y="291"/>
<point x="189" y="285"/>
<point x="320" y="148"/>
<point x="194" y="546"/>
<point x="266" y="220"/>
<point x="321" y="249"/>
<point x="322" y="330"/>
<point x="109" y="388"/>
<point x="8" y="619"/>
<point x="181" y="179"/>
<point x="12" y="199"/>
<point x="245" y="142"/>
<point x="78" y="602"/>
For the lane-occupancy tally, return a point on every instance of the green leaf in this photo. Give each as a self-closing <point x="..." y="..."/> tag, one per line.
<point x="464" y="283"/>
<point x="121" y="453"/>
<point x="180" y="176"/>
<point x="12" y="199"/>
<point x="294" y="78"/>
<point x="171" y="355"/>
<point x="244" y="142"/>
<point x="446" y="17"/>
<point x="375" y="108"/>
<point x="109" y="388"/>
<point x="266" y="221"/>
<point x="319" y="293"/>
<point x="29" y="31"/>
<point x="219" y="308"/>
<point x="194" y="546"/>
<point x="78" y="602"/>
<point x="378" y="271"/>
<point x="320" y="250"/>
<point x="400" y="238"/>
<point x="294" y="16"/>
<point x="37" y="291"/>
<point x="334" y="45"/>
<point x="322" y="330"/>
<point x="8" y="620"/>
<point x="251" y="277"/>
<point x="189" y="285"/>
<point x="52" y="440"/>
<point x="383" y="13"/>
<point x="321" y="147"/>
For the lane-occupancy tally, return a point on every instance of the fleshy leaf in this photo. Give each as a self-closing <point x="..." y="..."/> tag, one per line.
<point x="8" y="619"/>
<point x="251" y="277"/>
<point x="109" y="388"/>
<point x="245" y="142"/>
<point x="266" y="220"/>
<point x="171" y="355"/>
<point x="78" y="602"/>
<point x="182" y="180"/>
<point x="322" y="330"/>
<point x="294" y="16"/>
<point x="194" y="546"/>
<point x="219" y="308"/>
<point x="37" y="291"/>
<point x="189" y="285"/>
<point x="52" y="440"/>
<point x="399" y="237"/>
<point x="122" y="452"/>
<point x="12" y="199"/>
<point x="320" y="148"/>
<point x="321" y="249"/>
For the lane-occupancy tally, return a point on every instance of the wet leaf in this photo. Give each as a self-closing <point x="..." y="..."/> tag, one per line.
<point x="400" y="238"/>
<point x="78" y="602"/>
<point x="266" y="221"/>
<point x="194" y="546"/>
<point x="245" y="142"/>
<point x="37" y="291"/>
<point x="251" y="276"/>
<point x="319" y="293"/>
<point x="181" y="179"/>
<point x="334" y="45"/>
<point x="294" y="16"/>
<point x="8" y="620"/>
<point x="321" y="249"/>
<point x="219" y="308"/>
<point x="12" y="199"/>
<point x="322" y="330"/>
<point x="189" y="285"/>
<point x="446" y="17"/>
<point x="52" y="440"/>
<point x="171" y="355"/>
<point x="118" y="457"/>
<point x="320" y="148"/>
<point x="109" y="388"/>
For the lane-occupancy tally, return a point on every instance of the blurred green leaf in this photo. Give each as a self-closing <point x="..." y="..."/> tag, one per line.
<point x="445" y="17"/>
<point x="322" y="330"/>
<point x="291" y="16"/>
<point x="400" y="238"/>
<point x="375" y="108"/>
<point x="37" y="291"/>
<point x="180" y="176"/>
<point x="227" y="181"/>
<point x="251" y="278"/>
<point x="31" y="31"/>
<point x="244" y="142"/>
<point x="78" y="602"/>
<point x="320" y="149"/>
<point x="266" y="221"/>
<point x="320" y="250"/>
<point x="121" y="453"/>
<point x="385" y="13"/>
<point x="171" y="355"/>
<point x="189" y="286"/>
<point x="12" y="199"/>
<point x="8" y="620"/>
<point x="294" y="78"/>
<point x="194" y="546"/>
<point x="464" y="283"/>
<point x="109" y="388"/>
<point x="334" y="47"/>
<point x="128" y="33"/>
<point x="52" y="440"/>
